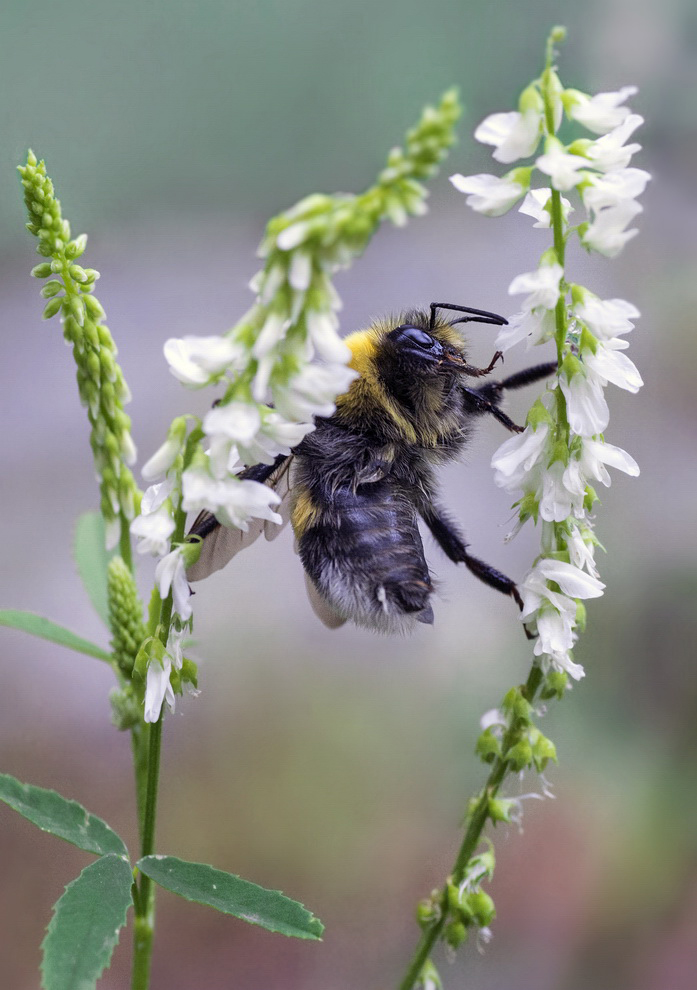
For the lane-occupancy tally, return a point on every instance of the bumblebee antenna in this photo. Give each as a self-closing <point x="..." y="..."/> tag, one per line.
<point x="478" y="315"/>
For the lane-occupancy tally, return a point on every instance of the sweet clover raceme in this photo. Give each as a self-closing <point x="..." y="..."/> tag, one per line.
<point x="553" y="466"/>
<point x="281" y="365"/>
<point x="285" y="349"/>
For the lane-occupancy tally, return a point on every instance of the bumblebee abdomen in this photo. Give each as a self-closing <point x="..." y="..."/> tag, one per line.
<point x="363" y="551"/>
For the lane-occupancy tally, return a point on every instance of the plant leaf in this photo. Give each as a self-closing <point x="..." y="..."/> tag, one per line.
<point x="56" y="814"/>
<point x="37" y="625"/>
<point x="85" y="926"/>
<point x="92" y="559"/>
<point x="230" y="894"/>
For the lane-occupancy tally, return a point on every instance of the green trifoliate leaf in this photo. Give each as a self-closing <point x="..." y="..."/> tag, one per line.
<point x="53" y="813"/>
<point x="93" y="561"/>
<point x="37" y="625"/>
<point x="232" y="895"/>
<point x="85" y="925"/>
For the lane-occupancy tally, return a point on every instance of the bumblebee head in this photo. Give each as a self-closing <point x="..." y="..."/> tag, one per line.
<point x="426" y="345"/>
<point x="406" y="364"/>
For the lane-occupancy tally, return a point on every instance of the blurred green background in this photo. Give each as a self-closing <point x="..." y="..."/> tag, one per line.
<point x="337" y="765"/>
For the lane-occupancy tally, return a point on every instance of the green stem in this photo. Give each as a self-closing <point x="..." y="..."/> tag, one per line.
<point x="472" y="838"/>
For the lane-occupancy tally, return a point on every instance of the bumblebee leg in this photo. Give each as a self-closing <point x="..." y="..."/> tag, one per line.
<point x="477" y="402"/>
<point x="455" y="547"/>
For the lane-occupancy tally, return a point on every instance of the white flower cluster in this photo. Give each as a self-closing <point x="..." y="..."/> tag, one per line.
<point x="597" y="169"/>
<point x="553" y="465"/>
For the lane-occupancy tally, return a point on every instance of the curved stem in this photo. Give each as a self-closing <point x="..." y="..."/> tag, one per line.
<point x="472" y="837"/>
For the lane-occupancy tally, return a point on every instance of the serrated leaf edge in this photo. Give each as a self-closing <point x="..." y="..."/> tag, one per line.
<point x="87" y="816"/>
<point x="313" y="919"/>
<point x="54" y="912"/>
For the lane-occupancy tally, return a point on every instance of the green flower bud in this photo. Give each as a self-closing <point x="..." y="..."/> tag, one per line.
<point x="53" y="307"/>
<point x="516" y="705"/>
<point x="483" y="908"/>
<point x="488" y="746"/>
<point x="42" y="271"/>
<point x="77" y="247"/>
<point x="520" y="755"/>
<point x="543" y="751"/>
<point x="125" y="708"/>
<point x="455" y="934"/>
<point x="555" y="685"/>
<point x="51" y="288"/>
<point x="78" y="273"/>
<point x="94" y="308"/>
<point x="77" y="308"/>
<point x="499" y="809"/>
<point x="125" y="614"/>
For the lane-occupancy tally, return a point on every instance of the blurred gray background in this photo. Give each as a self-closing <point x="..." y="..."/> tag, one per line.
<point x="337" y="765"/>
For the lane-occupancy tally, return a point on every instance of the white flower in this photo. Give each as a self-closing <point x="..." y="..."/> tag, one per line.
<point x="514" y="135"/>
<point x="562" y="167"/>
<point x="607" y="234"/>
<point x="574" y="583"/>
<point x="606" y="318"/>
<point x="158" y="688"/>
<point x="585" y="405"/>
<point x="270" y="334"/>
<point x="488" y="194"/>
<point x="516" y="457"/>
<point x="581" y="550"/>
<point x="542" y="284"/>
<point x="277" y="436"/>
<point x="236" y="421"/>
<point x="594" y="456"/>
<point x="612" y="188"/>
<point x="300" y="271"/>
<point x="535" y="325"/>
<point x="610" y="152"/>
<point x="232" y="502"/>
<point x="602" y="112"/>
<point x="535" y="203"/>
<point x="171" y="573"/>
<point x="164" y="457"/>
<point x="555" y="630"/>
<point x="609" y="365"/>
<point x="294" y="235"/>
<point x="153" y="531"/>
<point x="313" y="391"/>
<point x="156" y="495"/>
<point x="493" y="718"/>
<point x="240" y="501"/>
<point x="557" y="499"/>
<point x="195" y="360"/>
<point x="321" y="328"/>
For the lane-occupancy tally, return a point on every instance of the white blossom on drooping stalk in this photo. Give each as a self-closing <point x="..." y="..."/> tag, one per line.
<point x="553" y="465"/>
<point x="283" y="363"/>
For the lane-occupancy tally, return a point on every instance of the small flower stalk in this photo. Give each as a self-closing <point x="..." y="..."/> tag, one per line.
<point x="586" y="190"/>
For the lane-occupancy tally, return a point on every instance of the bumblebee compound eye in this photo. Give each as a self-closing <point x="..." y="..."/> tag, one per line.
<point x="415" y="336"/>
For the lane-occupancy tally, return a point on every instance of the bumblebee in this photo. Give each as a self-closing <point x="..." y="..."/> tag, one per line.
<point x="356" y="487"/>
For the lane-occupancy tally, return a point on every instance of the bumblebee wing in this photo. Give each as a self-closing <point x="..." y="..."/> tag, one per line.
<point x="321" y="607"/>
<point x="222" y="543"/>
